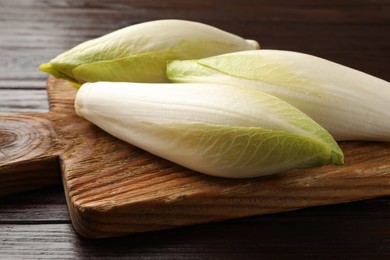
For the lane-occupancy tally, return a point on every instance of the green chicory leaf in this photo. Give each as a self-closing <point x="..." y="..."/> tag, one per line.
<point x="139" y="53"/>
<point x="215" y="129"/>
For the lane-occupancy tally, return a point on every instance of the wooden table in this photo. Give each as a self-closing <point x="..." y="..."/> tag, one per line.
<point x="36" y="224"/>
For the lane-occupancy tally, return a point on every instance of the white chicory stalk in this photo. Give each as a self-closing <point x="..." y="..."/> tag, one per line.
<point x="139" y="53"/>
<point x="350" y="104"/>
<point x="214" y="129"/>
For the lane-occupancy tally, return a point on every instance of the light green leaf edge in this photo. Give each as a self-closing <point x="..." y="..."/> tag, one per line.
<point x="243" y="148"/>
<point x="145" y="67"/>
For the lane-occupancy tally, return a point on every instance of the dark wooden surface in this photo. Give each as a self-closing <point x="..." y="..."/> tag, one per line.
<point x="36" y="224"/>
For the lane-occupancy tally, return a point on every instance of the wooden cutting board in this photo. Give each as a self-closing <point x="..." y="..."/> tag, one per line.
<point x="113" y="188"/>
